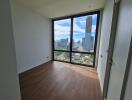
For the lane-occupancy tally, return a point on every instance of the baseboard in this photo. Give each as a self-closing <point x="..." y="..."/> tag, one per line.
<point x="20" y="74"/>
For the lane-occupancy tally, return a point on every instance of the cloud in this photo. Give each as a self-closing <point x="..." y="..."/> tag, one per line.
<point x="94" y="16"/>
<point x="59" y="29"/>
<point x="93" y="28"/>
<point x="78" y="28"/>
<point x="65" y="22"/>
<point x="62" y="27"/>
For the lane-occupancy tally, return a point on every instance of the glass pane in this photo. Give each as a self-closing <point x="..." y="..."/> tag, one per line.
<point x="62" y="34"/>
<point x="62" y="56"/>
<point x="84" y="32"/>
<point x="80" y="58"/>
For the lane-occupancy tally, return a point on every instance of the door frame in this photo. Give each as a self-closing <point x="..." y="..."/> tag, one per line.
<point x="111" y="47"/>
<point x="127" y="71"/>
<point x="71" y="37"/>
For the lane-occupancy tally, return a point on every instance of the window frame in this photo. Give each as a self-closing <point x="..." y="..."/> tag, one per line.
<point x="71" y="37"/>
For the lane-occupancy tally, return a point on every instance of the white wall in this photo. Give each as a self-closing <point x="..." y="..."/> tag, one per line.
<point x="98" y="40"/>
<point x="32" y="34"/>
<point x="104" y="40"/>
<point x="9" y="85"/>
<point x="128" y="93"/>
<point x="121" y="49"/>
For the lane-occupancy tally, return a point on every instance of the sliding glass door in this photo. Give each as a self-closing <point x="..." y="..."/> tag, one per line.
<point x="75" y="38"/>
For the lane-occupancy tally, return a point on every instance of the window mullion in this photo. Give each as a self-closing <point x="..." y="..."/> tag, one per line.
<point x="71" y="39"/>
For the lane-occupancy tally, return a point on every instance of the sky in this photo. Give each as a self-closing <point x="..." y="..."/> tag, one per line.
<point x="62" y="28"/>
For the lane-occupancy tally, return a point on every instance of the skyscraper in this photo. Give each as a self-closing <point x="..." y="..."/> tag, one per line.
<point x="92" y="43"/>
<point x="88" y="32"/>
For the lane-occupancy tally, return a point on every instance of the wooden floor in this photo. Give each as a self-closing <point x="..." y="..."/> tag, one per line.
<point x="60" y="81"/>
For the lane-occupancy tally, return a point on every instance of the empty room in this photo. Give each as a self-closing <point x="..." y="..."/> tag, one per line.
<point x="65" y="49"/>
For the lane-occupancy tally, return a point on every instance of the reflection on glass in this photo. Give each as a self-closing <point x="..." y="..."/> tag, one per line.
<point x="63" y="56"/>
<point x="62" y="34"/>
<point x="79" y="58"/>
<point x="84" y="32"/>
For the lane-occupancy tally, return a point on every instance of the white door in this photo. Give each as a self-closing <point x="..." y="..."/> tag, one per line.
<point x="121" y="49"/>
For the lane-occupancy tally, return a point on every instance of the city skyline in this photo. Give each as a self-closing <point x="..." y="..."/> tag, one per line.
<point x="83" y="37"/>
<point x="62" y="28"/>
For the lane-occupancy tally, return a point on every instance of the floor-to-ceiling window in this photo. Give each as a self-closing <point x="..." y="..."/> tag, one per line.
<point x="75" y="38"/>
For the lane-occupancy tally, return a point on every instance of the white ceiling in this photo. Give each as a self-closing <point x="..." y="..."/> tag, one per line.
<point x="58" y="8"/>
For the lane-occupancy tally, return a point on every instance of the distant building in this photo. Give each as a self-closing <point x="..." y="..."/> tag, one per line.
<point x="75" y="45"/>
<point x="92" y="43"/>
<point x="83" y="42"/>
<point x="88" y="24"/>
<point x="62" y="43"/>
<point x="87" y="41"/>
<point x="78" y="42"/>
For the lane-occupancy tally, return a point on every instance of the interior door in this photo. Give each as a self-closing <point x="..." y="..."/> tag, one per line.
<point x="120" y="50"/>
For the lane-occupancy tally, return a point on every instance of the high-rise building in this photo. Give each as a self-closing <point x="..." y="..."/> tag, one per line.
<point x="83" y="43"/>
<point x="88" y="32"/>
<point x="88" y="24"/>
<point x="92" y="43"/>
